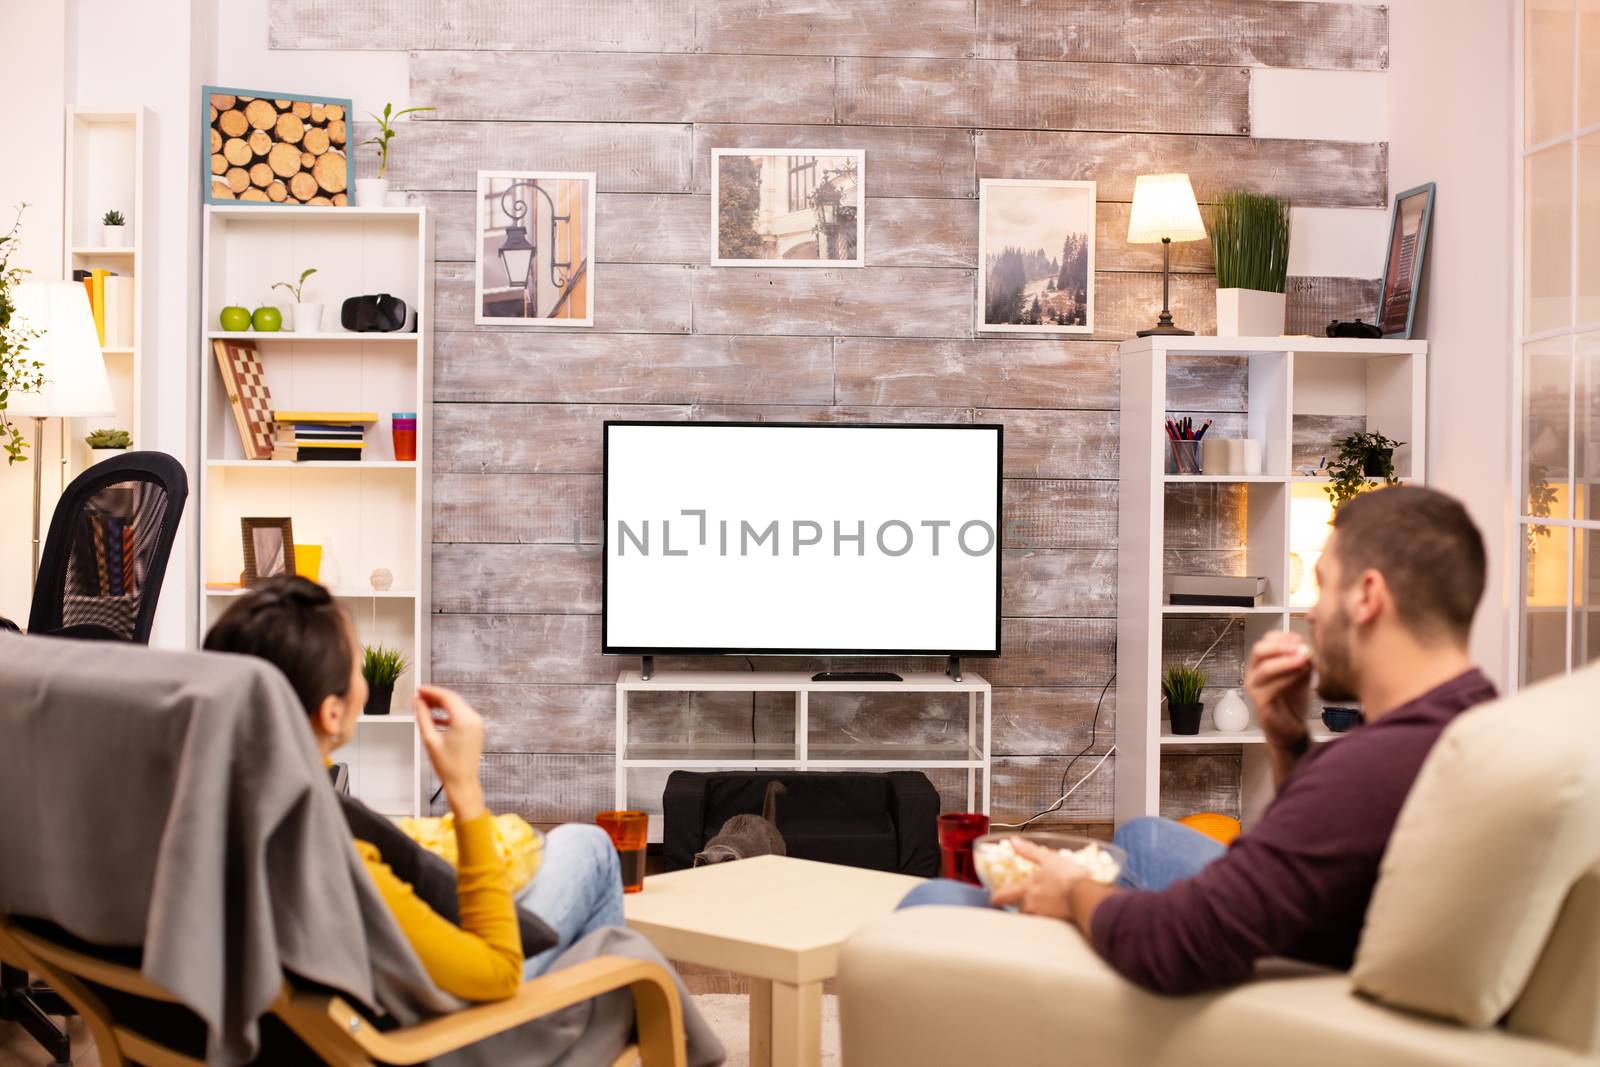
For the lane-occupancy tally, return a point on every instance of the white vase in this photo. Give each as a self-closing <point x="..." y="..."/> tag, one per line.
<point x="98" y="454"/>
<point x="370" y="192"/>
<point x="1249" y="313"/>
<point x="307" y="318"/>
<point x="112" y="236"/>
<point x="1231" y="715"/>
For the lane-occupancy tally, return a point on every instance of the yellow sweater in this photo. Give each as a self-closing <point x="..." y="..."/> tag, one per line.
<point x="482" y="958"/>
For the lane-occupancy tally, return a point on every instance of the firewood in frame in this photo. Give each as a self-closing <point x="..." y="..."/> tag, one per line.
<point x="275" y="148"/>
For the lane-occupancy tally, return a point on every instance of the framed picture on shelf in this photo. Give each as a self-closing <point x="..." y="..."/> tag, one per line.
<point x="788" y="207"/>
<point x="1035" y="255"/>
<point x="534" y="249"/>
<point x="274" y="148"/>
<point x="1402" y="267"/>
<point x="268" y="548"/>
<point x="246" y="384"/>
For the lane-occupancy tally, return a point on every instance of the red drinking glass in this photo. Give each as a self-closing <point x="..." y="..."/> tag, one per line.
<point x="957" y="832"/>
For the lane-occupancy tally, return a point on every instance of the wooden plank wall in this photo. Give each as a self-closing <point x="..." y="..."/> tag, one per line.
<point x="939" y="93"/>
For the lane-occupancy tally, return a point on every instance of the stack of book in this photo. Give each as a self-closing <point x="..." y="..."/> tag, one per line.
<point x="111" y="303"/>
<point x="1214" y="591"/>
<point x="303" y="436"/>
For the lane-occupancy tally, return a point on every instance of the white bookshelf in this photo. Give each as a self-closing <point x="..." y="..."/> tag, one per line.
<point x="1285" y="521"/>
<point x="366" y="515"/>
<point x="105" y="159"/>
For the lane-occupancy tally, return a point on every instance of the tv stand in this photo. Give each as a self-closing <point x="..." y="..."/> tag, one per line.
<point x="801" y="751"/>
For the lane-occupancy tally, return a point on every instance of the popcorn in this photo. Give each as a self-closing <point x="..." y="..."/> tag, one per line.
<point x="1001" y="866"/>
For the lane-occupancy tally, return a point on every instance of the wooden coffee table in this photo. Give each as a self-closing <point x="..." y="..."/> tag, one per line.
<point x="779" y="921"/>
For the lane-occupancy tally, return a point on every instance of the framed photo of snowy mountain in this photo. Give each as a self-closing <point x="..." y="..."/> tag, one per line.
<point x="1035" y="256"/>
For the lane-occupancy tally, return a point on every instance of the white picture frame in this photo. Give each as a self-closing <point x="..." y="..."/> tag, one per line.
<point x="559" y="287"/>
<point x="781" y="212"/>
<point x="1036" y="218"/>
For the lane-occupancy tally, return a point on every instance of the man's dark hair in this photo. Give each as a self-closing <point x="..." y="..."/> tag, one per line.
<point x="1425" y="546"/>
<point x="295" y="625"/>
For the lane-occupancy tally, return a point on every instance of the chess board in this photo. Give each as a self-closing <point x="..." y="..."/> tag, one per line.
<point x="246" y="384"/>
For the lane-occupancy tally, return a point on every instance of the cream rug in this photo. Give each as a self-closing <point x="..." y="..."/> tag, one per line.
<point x="729" y="1016"/>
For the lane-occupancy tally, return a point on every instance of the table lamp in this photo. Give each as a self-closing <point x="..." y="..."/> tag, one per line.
<point x="75" y="382"/>
<point x="1164" y="210"/>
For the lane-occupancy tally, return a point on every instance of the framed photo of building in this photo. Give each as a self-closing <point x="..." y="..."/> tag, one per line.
<point x="1035" y="255"/>
<point x="269" y="148"/>
<point x="1402" y="267"/>
<point x="534" y="248"/>
<point x="787" y="207"/>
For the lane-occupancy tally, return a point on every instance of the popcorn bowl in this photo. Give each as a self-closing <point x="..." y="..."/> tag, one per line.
<point x="1000" y="867"/>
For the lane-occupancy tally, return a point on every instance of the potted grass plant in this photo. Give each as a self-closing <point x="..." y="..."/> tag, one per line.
<point x="1182" y="686"/>
<point x="381" y="667"/>
<point x="1250" y="244"/>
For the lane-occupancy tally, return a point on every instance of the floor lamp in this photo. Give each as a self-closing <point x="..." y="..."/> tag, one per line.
<point x="75" y="382"/>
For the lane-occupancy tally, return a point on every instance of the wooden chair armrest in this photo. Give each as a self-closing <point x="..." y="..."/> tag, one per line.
<point x="659" y="1015"/>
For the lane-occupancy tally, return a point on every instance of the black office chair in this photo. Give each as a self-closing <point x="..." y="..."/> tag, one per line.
<point x="106" y="553"/>
<point x="99" y="578"/>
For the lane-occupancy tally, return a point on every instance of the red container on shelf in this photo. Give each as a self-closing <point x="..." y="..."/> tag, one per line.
<point x="403" y="426"/>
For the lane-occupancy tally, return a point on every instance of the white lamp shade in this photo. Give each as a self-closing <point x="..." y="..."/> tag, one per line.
<point x="68" y="345"/>
<point x="1164" y="208"/>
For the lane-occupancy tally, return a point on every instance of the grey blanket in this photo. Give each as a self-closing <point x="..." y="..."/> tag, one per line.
<point x="177" y="801"/>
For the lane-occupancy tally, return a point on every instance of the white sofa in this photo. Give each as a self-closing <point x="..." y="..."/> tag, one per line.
<point x="1513" y="787"/>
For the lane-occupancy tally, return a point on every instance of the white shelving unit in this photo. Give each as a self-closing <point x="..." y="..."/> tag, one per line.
<point x="1285" y="518"/>
<point x="971" y="756"/>
<point x="105" y="169"/>
<point x="366" y="515"/>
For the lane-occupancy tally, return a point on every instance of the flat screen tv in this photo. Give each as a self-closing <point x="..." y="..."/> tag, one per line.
<point x="801" y="539"/>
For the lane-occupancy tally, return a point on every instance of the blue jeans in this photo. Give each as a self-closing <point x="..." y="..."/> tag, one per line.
<point x="577" y="890"/>
<point x="1160" y="852"/>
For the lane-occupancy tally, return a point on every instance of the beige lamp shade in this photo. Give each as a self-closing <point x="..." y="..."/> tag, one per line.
<point x="1164" y="208"/>
<point x="68" y="345"/>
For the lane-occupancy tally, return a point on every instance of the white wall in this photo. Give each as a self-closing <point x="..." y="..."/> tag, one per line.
<point x="1451" y="100"/>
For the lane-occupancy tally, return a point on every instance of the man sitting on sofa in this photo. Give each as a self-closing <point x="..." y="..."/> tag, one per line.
<point x="1398" y="584"/>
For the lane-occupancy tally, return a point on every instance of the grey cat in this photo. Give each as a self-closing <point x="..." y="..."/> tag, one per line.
<point x="745" y="836"/>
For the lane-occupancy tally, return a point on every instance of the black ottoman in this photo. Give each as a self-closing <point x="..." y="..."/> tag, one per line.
<point x="885" y="821"/>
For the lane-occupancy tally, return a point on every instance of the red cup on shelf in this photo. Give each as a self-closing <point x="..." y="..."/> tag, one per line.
<point x="628" y="830"/>
<point x="957" y="832"/>
<point x="403" y="425"/>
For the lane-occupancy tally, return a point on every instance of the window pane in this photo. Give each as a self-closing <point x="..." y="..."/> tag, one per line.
<point x="1586" y="408"/>
<point x="1589" y="63"/>
<point x="1548" y="300"/>
<point x="1547" y="48"/>
<point x="1585" y="600"/>
<point x="1589" y="229"/>
<point x="1544" y="602"/>
<point x="1546" y="391"/>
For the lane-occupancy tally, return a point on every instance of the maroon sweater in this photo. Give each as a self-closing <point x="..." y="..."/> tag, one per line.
<point x="1298" y="883"/>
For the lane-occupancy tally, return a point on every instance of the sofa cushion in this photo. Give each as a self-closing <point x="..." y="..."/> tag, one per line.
<point x="865" y="839"/>
<point x="1497" y="830"/>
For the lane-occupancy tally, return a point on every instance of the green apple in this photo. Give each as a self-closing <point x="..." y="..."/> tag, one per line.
<point x="267" y="319"/>
<point x="235" y="319"/>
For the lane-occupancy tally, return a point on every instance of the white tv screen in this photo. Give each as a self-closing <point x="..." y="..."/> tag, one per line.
<point x="801" y="538"/>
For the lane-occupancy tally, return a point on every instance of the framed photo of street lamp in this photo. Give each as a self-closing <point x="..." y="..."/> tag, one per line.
<point x="788" y="207"/>
<point x="1402" y="267"/>
<point x="535" y="249"/>
<point x="1035" y="255"/>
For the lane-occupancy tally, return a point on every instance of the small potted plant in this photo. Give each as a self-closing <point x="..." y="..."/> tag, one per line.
<point x="1362" y="457"/>
<point x="305" y="318"/>
<point x="1250" y="244"/>
<point x="103" y="444"/>
<point x="381" y="667"/>
<point x="112" y="228"/>
<point x="1181" y="686"/>
<point x="371" y="192"/>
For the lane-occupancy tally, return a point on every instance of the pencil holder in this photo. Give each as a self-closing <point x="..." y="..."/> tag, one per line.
<point x="1183" y="457"/>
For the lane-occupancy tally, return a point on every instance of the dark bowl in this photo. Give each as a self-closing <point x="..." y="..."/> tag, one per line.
<point x="1341" y="719"/>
